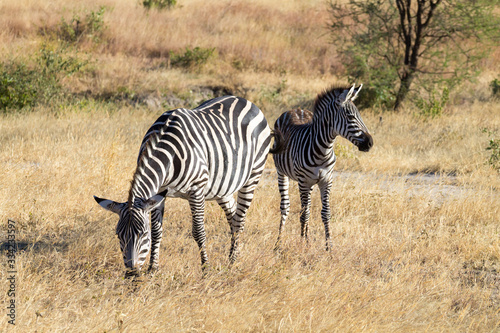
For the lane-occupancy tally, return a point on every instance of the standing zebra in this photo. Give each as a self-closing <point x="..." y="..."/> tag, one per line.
<point x="309" y="155"/>
<point x="207" y="153"/>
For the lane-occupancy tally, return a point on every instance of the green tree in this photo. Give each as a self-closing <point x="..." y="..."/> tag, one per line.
<point x="390" y="44"/>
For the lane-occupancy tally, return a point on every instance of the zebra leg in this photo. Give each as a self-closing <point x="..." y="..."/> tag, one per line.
<point x="305" y="201"/>
<point x="197" y="204"/>
<point x="228" y="204"/>
<point x="325" y="211"/>
<point x="283" y="185"/>
<point x="245" y="197"/>
<point x="156" y="236"/>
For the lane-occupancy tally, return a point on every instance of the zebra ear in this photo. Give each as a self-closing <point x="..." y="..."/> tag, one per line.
<point x="356" y="92"/>
<point x="347" y="95"/>
<point x="110" y="205"/>
<point x="155" y="201"/>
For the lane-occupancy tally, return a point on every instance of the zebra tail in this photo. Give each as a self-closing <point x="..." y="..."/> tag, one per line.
<point x="279" y="142"/>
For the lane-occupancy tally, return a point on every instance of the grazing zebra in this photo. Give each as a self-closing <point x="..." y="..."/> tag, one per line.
<point x="309" y="157"/>
<point x="207" y="153"/>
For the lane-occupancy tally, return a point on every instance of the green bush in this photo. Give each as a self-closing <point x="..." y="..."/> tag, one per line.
<point x="377" y="96"/>
<point x="377" y="80"/>
<point x="159" y="4"/>
<point x="494" y="149"/>
<point x="191" y="57"/>
<point x="495" y="88"/>
<point x="26" y="83"/>
<point x="16" y="88"/>
<point x="434" y="105"/>
<point x="90" y="26"/>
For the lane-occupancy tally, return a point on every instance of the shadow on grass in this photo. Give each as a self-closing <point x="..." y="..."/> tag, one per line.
<point x="40" y="246"/>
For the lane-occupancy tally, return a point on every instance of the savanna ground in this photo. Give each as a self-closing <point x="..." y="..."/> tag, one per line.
<point x="415" y="221"/>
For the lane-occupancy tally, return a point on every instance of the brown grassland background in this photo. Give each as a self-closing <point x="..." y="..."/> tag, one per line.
<point x="415" y="222"/>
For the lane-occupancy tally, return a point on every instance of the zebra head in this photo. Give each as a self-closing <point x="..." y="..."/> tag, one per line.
<point x="349" y="123"/>
<point x="133" y="229"/>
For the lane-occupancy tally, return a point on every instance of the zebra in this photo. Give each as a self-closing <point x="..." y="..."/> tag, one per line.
<point x="308" y="156"/>
<point x="207" y="153"/>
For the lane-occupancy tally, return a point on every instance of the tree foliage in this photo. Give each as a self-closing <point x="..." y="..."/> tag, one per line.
<point x="390" y="44"/>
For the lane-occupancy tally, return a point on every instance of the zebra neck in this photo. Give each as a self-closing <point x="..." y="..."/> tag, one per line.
<point x="324" y="134"/>
<point x="149" y="178"/>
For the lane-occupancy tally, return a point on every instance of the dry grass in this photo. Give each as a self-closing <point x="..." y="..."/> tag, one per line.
<point x="258" y="46"/>
<point x="407" y="256"/>
<point x="410" y="253"/>
<point x="255" y="35"/>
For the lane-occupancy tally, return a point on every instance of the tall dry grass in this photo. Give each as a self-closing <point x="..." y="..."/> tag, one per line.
<point x="258" y="46"/>
<point x="289" y="36"/>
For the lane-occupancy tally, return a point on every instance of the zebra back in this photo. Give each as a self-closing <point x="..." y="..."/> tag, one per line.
<point x="227" y="136"/>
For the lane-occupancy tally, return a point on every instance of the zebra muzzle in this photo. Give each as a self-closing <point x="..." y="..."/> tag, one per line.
<point x="365" y="143"/>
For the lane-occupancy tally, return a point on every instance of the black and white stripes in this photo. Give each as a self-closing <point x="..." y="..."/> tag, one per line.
<point x="309" y="157"/>
<point x="208" y="153"/>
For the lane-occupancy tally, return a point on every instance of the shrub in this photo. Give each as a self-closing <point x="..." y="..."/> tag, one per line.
<point x="434" y="105"/>
<point x="495" y="88"/>
<point x="191" y="57"/>
<point x="494" y="149"/>
<point x="16" y="86"/>
<point x="377" y="81"/>
<point x="159" y="4"/>
<point x="91" y="26"/>
<point x="25" y="83"/>
<point x="375" y="96"/>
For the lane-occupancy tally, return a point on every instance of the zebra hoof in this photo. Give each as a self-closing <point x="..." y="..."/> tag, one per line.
<point x="133" y="273"/>
<point x="277" y="246"/>
<point x="206" y="270"/>
<point x="153" y="269"/>
<point x="205" y="267"/>
<point x="233" y="259"/>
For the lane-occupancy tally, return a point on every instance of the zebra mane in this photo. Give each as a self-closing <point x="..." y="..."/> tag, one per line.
<point x="152" y="141"/>
<point x="330" y="93"/>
